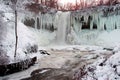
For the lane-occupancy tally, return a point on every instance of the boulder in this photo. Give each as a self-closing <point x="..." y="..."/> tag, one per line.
<point x="16" y="67"/>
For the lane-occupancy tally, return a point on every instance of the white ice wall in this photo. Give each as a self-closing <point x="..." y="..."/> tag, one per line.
<point x="107" y="20"/>
<point x="69" y="25"/>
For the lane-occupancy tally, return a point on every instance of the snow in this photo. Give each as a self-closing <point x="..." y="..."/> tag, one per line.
<point x="4" y="8"/>
<point x="118" y="70"/>
<point x="27" y="37"/>
<point x="110" y="69"/>
<point x="22" y="40"/>
<point x="114" y="60"/>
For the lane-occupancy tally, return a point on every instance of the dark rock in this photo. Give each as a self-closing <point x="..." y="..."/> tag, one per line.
<point x="29" y="22"/>
<point x="91" y="69"/>
<point x="80" y="74"/>
<point x="114" y="52"/>
<point x="114" y="66"/>
<point x="101" y="64"/>
<point x="34" y="49"/>
<point x="44" y="52"/>
<point x="108" y="49"/>
<point x="31" y="49"/>
<point x="49" y="74"/>
<point x="16" y="67"/>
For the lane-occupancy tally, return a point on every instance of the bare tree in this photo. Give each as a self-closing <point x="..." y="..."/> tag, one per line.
<point x="16" y="35"/>
<point x="112" y="2"/>
<point x="16" y="6"/>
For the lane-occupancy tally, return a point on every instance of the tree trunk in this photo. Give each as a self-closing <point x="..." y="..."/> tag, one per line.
<point x="16" y="36"/>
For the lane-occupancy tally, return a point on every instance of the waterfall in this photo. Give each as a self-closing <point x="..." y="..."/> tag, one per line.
<point x="63" y="23"/>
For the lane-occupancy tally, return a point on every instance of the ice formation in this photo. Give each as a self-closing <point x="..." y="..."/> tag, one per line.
<point x="82" y="26"/>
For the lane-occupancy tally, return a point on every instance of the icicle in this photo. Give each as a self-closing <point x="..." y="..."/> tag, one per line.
<point x="40" y="20"/>
<point x="86" y="18"/>
<point x="80" y="27"/>
<point x="44" y="21"/>
<point x="118" y="21"/>
<point x="91" y="22"/>
<point x="35" y="22"/>
<point x="77" y="23"/>
<point x="102" y="23"/>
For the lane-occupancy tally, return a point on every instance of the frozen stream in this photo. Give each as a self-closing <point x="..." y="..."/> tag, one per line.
<point x="61" y="57"/>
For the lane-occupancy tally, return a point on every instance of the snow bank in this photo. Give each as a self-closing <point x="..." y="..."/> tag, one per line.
<point x="23" y="40"/>
<point x="26" y="37"/>
<point x="109" y="70"/>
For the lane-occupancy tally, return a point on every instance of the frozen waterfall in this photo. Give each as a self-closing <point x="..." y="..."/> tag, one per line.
<point x="79" y="27"/>
<point x="63" y="23"/>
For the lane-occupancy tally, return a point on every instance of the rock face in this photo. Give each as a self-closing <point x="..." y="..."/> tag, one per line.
<point x="16" y="67"/>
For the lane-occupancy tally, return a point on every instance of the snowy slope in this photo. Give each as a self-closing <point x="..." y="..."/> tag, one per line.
<point x="26" y="37"/>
